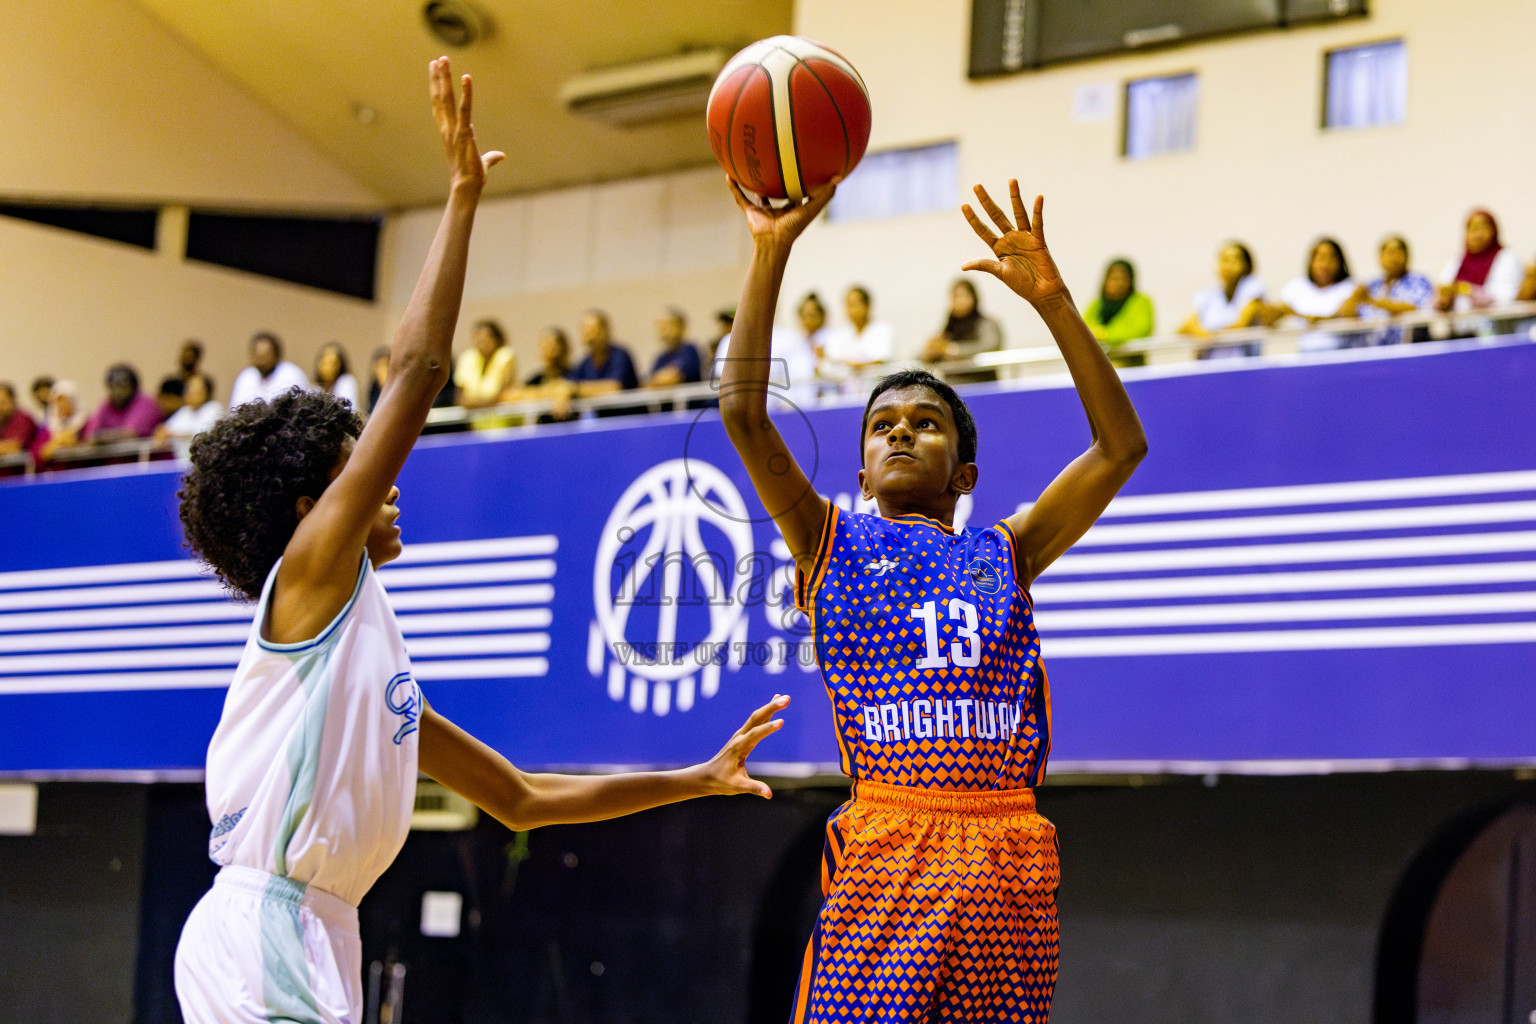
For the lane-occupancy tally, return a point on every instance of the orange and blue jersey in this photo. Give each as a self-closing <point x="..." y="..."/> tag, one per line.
<point x="930" y="653"/>
<point x="939" y="877"/>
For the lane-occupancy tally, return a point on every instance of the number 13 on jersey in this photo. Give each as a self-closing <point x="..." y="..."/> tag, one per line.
<point x="963" y="655"/>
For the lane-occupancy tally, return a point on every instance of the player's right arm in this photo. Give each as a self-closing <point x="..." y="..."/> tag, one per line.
<point x="320" y="563"/>
<point x="782" y="486"/>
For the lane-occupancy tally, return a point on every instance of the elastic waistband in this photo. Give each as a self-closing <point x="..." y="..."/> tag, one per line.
<point x="960" y="803"/>
<point x="286" y="890"/>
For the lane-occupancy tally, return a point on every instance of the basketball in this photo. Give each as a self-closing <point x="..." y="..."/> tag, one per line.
<point x="786" y="115"/>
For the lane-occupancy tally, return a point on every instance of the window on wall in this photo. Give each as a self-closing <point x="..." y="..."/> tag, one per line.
<point x="1160" y="115"/>
<point x="899" y="183"/>
<point x="1366" y="86"/>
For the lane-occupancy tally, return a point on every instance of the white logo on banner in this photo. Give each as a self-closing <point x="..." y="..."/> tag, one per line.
<point x="669" y="505"/>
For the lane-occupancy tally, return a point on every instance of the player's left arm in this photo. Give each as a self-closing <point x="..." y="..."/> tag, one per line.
<point x="523" y="800"/>
<point x="1081" y="492"/>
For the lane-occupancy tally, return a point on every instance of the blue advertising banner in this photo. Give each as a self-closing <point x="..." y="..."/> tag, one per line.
<point x="1327" y="559"/>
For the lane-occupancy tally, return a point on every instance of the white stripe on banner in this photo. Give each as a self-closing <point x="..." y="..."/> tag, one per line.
<point x="479" y="550"/>
<point x="1323" y="494"/>
<point x="138" y="593"/>
<point x="496" y="643"/>
<point x="181" y="568"/>
<point x="475" y="622"/>
<point x="1312" y="522"/>
<point x="480" y="668"/>
<point x="105" y="639"/>
<point x="473" y="597"/>
<point x="197" y="679"/>
<point x="481" y="572"/>
<point x="1436" y="606"/>
<point x="1290" y="554"/>
<point x="1289" y="640"/>
<point x="1288" y="582"/>
<point x="202" y="611"/>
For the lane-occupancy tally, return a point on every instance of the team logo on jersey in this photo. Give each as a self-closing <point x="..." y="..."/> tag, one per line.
<point x="671" y="560"/>
<point x="403" y="697"/>
<point x="881" y="566"/>
<point x="984" y="576"/>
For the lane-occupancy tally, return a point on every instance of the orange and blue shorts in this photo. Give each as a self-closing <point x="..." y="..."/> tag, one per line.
<point x="939" y="907"/>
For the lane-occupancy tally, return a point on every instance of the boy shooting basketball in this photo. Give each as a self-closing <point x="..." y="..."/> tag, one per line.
<point x="939" y="877"/>
<point x="312" y="771"/>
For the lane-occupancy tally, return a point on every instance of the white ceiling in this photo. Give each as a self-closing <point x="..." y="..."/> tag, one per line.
<point x="315" y="63"/>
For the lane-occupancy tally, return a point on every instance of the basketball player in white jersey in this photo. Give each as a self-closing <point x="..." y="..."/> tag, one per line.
<point x="312" y="770"/>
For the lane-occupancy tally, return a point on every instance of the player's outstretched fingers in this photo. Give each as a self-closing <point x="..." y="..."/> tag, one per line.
<point x="994" y="211"/>
<point x="762" y="714"/>
<point x="747" y="740"/>
<point x="1019" y="213"/>
<point x="982" y="231"/>
<point x="1039" y="227"/>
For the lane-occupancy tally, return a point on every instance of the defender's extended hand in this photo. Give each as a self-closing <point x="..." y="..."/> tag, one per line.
<point x="454" y="125"/>
<point x="726" y="772"/>
<point x="1023" y="262"/>
<point x="780" y="228"/>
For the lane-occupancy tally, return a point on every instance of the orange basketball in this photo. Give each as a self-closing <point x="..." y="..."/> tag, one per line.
<point x="786" y="115"/>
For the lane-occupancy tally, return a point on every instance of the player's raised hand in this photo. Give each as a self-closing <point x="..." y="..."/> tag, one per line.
<point x="452" y="115"/>
<point x="1023" y="262"/>
<point x="780" y="228"/>
<point x="726" y="772"/>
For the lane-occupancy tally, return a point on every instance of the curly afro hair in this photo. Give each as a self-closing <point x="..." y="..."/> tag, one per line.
<point x="248" y="472"/>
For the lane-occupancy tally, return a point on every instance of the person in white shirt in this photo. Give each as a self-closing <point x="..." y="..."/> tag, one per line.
<point x="1485" y="274"/>
<point x="1325" y="292"/>
<point x="312" y="770"/>
<point x="332" y="375"/>
<point x="865" y="342"/>
<point x="199" y="411"/>
<point x="1236" y="301"/>
<point x="268" y="375"/>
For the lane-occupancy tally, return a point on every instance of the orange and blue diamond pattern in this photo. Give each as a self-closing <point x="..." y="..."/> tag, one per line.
<point x="940" y="908"/>
<point x="929" y="652"/>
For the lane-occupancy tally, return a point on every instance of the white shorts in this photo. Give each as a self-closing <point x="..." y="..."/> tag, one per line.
<point x="259" y="948"/>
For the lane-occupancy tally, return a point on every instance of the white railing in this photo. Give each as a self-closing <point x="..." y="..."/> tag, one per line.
<point x="1165" y="348"/>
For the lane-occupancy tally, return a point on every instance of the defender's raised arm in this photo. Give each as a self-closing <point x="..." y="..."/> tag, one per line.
<point x="1076" y="498"/>
<point x="781" y="484"/>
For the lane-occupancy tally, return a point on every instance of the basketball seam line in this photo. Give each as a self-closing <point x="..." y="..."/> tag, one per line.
<point x="847" y="144"/>
<point x="730" y="129"/>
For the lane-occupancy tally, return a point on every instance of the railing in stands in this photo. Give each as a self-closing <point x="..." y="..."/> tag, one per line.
<point x="1167" y="348"/>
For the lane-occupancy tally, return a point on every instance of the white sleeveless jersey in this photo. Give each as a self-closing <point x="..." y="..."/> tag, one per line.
<point x="312" y="770"/>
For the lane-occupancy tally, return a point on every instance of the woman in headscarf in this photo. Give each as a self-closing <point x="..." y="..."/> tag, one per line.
<point x="1120" y="313"/>
<point x="65" y="420"/>
<point x="967" y="331"/>
<point x="1486" y="273"/>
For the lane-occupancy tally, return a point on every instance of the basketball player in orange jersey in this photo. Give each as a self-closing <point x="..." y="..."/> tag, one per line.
<point x="939" y="877"/>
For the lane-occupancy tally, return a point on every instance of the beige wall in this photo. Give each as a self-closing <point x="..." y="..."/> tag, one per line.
<point x="1263" y="171"/>
<point x="102" y="104"/>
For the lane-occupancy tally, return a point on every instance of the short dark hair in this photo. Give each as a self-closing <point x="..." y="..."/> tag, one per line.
<point x="248" y="472"/>
<point x="965" y="424"/>
<point x="559" y="335"/>
<point x="173" y="386"/>
<point x="194" y="345"/>
<point x="8" y="388"/>
<point x="123" y="370"/>
<point x="862" y="293"/>
<point x="44" y="381"/>
<point x="811" y="298"/>
<point x="341" y="355"/>
<point x="268" y="336"/>
<point x="1400" y="240"/>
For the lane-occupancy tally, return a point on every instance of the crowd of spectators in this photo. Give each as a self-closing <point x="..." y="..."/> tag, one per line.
<point x="813" y="356"/>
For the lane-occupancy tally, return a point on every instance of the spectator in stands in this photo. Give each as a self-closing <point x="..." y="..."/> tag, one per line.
<point x="793" y="359"/>
<point x="966" y="333"/>
<point x="268" y="375"/>
<point x="1398" y="290"/>
<point x="332" y="375"/>
<point x="553" y="381"/>
<point x="1486" y="273"/>
<point x="1528" y="286"/>
<point x="865" y="342"/>
<point x="126" y="413"/>
<point x="64" y="423"/>
<point x="199" y="412"/>
<point x="724" y="320"/>
<point x="17" y="429"/>
<point x="1236" y="301"/>
<point x="608" y="366"/>
<point x="1326" y="291"/>
<point x="169" y="396"/>
<point x="678" y="361"/>
<point x="1120" y="313"/>
<point x="42" y="394"/>
<point x="486" y="370"/>
<point x="380" y="371"/>
<point x="189" y="359"/>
